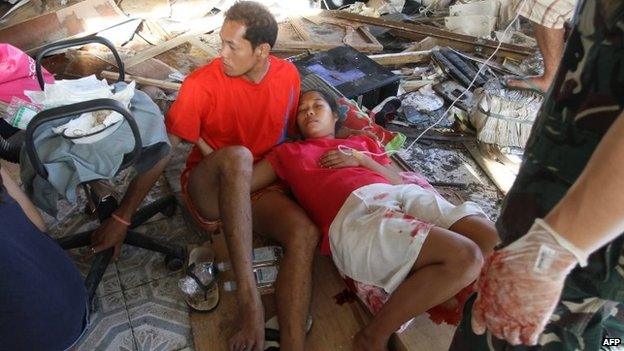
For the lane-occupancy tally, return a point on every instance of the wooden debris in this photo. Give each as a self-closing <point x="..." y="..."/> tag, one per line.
<point x="313" y="35"/>
<point x="501" y="176"/>
<point x="401" y="58"/>
<point x="413" y="85"/>
<point x="146" y="9"/>
<point x="428" y="43"/>
<point x="141" y="80"/>
<point x="81" y="19"/>
<point x="431" y="135"/>
<point x="297" y="25"/>
<point x="419" y="32"/>
<point x="212" y="52"/>
<point x="214" y="23"/>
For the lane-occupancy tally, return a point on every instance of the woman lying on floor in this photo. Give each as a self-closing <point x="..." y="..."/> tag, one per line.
<point x="43" y="301"/>
<point x="400" y="237"/>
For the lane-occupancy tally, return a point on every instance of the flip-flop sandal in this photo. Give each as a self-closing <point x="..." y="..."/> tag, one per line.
<point x="205" y="294"/>
<point x="526" y="80"/>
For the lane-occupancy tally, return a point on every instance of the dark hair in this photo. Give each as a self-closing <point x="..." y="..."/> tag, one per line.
<point x="261" y="26"/>
<point x="333" y="105"/>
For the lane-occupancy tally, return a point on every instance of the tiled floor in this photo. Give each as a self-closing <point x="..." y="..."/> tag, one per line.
<point x="139" y="306"/>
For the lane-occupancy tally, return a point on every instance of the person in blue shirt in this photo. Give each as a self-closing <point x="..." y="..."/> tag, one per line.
<point x="43" y="301"/>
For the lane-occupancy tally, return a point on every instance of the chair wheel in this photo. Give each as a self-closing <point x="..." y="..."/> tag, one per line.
<point x="173" y="263"/>
<point x="169" y="211"/>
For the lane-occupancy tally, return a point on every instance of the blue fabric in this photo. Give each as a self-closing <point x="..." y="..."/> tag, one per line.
<point x="70" y="164"/>
<point x="42" y="295"/>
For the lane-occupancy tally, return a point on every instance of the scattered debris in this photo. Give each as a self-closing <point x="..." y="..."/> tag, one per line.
<point x="505" y="117"/>
<point x="82" y="19"/>
<point x="143" y="81"/>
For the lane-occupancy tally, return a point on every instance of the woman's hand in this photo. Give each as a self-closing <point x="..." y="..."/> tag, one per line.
<point x="338" y="159"/>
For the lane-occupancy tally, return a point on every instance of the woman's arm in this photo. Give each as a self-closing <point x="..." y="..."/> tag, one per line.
<point x="387" y="171"/>
<point x="339" y="159"/>
<point x="204" y="148"/>
<point x="18" y="195"/>
<point x="263" y="175"/>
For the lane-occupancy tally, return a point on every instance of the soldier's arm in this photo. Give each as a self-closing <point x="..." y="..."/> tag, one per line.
<point x="591" y="214"/>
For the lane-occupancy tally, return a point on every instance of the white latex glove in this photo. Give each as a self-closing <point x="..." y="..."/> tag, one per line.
<point x="520" y="285"/>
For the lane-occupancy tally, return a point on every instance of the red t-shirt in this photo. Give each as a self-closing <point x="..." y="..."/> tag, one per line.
<point x="226" y="111"/>
<point x="322" y="191"/>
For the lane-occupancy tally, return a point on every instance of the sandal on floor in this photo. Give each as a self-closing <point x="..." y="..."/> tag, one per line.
<point x="200" y="287"/>
<point x="526" y="80"/>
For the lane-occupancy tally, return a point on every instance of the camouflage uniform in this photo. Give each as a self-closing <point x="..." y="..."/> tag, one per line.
<point x="586" y="97"/>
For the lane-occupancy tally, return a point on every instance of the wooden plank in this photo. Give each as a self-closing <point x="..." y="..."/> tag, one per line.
<point x="500" y="175"/>
<point x="299" y="28"/>
<point x="368" y="36"/>
<point x="487" y="46"/>
<point x="427" y="43"/>
<point x="213" y="23"/>
<point x="81" y="19"/>
<point x="195" y="41"/>
<point x="293" y="45"/>
<point x="413" y="85"/>
<point x="157" y="30"/>
<point x="401" y="58"/>
<point x="333" y="325"/>
<point x="141" y="80"/>
<point x="146" y="9"/>
<point x="157" y="50"/>
<point x="324" y="33"/>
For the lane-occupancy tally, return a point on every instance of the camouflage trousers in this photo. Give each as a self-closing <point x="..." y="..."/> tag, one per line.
<point x="580" y="322"/>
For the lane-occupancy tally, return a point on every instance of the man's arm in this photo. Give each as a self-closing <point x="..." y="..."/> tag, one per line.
<point x="112" y="232"/>
<point x="591" y="214"/>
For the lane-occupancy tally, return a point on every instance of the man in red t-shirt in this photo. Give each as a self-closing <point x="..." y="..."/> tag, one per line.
<point x="235" y="109"/>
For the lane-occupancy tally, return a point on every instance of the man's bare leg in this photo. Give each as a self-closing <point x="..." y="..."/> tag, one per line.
<point x="278" y="217"/>
<point x="219" y="186"/>
<point x="435" y="277"/>
<point x="551" y="45"/>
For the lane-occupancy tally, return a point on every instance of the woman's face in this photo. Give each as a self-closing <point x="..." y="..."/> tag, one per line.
<point x="315" y="118"/>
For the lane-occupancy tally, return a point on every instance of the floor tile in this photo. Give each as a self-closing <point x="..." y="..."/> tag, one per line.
<point x="138" y="266"/>
<point x="110" y="281"/>
<point x="159" y="315"/>
<point x="109" y="326"/>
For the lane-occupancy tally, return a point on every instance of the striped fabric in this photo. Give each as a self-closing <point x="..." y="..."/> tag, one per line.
<point x="548" y="13"/>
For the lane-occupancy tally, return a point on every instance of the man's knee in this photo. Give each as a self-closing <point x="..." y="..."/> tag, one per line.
<point x="235" y="160"/>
